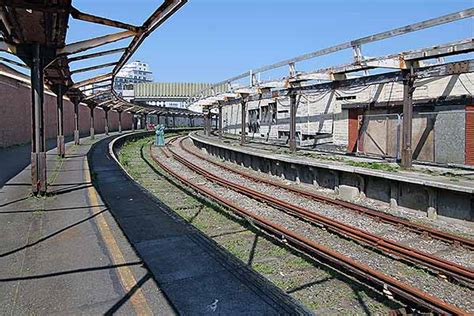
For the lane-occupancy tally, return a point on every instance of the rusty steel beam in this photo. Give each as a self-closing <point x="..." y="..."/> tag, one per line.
<point x="93" y="67"/>
<point x="93" y="96"/>
<point x="7" y="47"/>
<point x="356" y="43"/>
<point x="166" y="10"/>
<point x="41" y="6"/>
<point x="96" y="87"/>
<point x="98" y="79"/>
<point x="98" y="54"/>
<point x="81" y="46"/>
<point x="14" y="62"/>
<point x="78" y="15"/>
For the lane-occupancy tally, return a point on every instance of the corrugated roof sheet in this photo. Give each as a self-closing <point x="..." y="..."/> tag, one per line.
<point x="172" y="89"/>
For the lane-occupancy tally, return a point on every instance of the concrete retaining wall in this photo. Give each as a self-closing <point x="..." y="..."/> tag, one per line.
<point x="395" y="190"/>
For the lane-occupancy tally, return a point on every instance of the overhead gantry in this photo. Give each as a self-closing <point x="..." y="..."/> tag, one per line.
<point x="407" y="67"/>
<point x="35" y="31"/>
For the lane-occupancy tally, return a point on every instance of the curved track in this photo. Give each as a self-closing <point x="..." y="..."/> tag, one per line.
<point x="386" y="282"/>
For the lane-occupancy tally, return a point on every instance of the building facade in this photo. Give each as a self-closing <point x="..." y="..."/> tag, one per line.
<point x="169" y="94"/>
<point x="131" y="74"/>
<point x="367" y="120"/>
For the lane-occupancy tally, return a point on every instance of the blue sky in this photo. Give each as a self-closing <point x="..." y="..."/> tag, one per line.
<point x="211" y="40"/>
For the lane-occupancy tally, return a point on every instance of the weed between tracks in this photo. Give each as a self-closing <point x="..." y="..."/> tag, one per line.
<point x="320" y="288"/>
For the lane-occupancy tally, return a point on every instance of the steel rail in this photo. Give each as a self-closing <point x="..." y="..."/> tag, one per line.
<point x="406" y="291"/>
<point x="421" y="229"/>
<point x="446" y="267"/>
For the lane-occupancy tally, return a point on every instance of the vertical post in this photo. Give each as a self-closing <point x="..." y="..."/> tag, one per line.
<point x="292" y="138"/>
<point x="243" y="120"/>
<point x="144" y="121"/>
<point x="61" y="147"/>
<point x="174" y="121"/>
<point x="119" y="121"/>
<point x="38" y="144"/>
<point x="205" y="122"/>
<point x="158" y="119"/>
<point x="408" y="89"/>
<point x="92" y="131"/>
<point x="220" y="122"/>
<point x="133" y="121"/>
<point x="106" y="126"/>
<point x="209" y="123"/>
<point x="76" y="121"/>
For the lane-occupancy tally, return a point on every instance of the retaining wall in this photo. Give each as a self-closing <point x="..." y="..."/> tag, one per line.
<point x="432" y="197"/>
<point x="15" y="115"/>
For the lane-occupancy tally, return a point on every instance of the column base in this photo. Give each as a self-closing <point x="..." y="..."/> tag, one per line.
<point x="407" y="160"/>
<point x="92" y="134"/>
<point x="292" y="144"/>
<point x="38" y="173"/>
<point x="61" y="146"/>
<point x="76" y="138"/>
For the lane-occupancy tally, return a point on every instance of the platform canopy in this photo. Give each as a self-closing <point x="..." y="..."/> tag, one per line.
<point x="25" y="25"/>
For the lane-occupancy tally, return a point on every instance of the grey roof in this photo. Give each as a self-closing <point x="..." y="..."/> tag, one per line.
<point x="172" y="89"/>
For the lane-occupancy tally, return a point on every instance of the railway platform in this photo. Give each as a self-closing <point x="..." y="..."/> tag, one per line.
<point x="424" y="192"/>
<point x="76" y="251"/>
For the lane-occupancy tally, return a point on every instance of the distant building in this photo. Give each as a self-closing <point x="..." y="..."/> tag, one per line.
<point x="131" y="74"/>
<point x="169" y="94"/>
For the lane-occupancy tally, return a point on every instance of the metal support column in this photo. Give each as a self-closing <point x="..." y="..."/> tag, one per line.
<point x="220" y="122"/>
<point x="243" y="120"/>
<point x="119" y="121"/>
<point x="106" y="116"/>
<point x="76" y="121"/>
<point x="133" y="122"/>
<point x="61" y="146"/>
<point x="408" y="89"/>
<point x="209" y="123"/>
<point x="92" y="131"/>
<point x="145" y="125"/>
<point x="174" y="121"/>
<point x="38" y="143"/>
<point x="293" y="108"/>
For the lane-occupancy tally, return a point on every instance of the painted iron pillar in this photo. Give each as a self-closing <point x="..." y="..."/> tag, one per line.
<point x="408" y="89"/>
<point x="119" y="121"/>
<point x="293" y="108"/>
<point x="92" y="130"/>
<point x="220" y="122"/>
<point x="106" y="119"/>
<point x="60" y="90"/>
<point x="243" y="120"/>
<point x="38" y="140"/>
<point x="75" y="102"/>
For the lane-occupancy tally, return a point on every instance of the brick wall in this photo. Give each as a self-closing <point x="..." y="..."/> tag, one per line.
<point x="15" y="115"/>
<point x="469" y="135"/>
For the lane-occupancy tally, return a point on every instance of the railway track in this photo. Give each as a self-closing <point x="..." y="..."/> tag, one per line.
<point x="443" y="267"/>
<point x="383" y="281"/>
<point x="421" y="229"/>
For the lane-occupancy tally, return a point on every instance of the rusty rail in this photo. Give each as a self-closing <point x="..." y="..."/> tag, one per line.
<point x="446" y="267"/>
<point x="408" y="292"/>
<point x="434" y="233"/>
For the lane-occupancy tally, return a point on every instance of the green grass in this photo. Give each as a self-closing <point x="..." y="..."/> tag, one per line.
<point x="277" y="262"/>
<point x="374" y="165"/>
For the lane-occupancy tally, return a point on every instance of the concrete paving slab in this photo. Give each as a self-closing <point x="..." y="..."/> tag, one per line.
<point x="54" y="258"/>
<point x="197" y="276"/>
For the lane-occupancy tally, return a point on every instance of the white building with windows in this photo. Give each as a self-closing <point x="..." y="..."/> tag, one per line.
<point x="132" y="73"/>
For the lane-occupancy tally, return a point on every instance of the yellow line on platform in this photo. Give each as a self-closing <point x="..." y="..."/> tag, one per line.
<point x="127" y="278"/>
